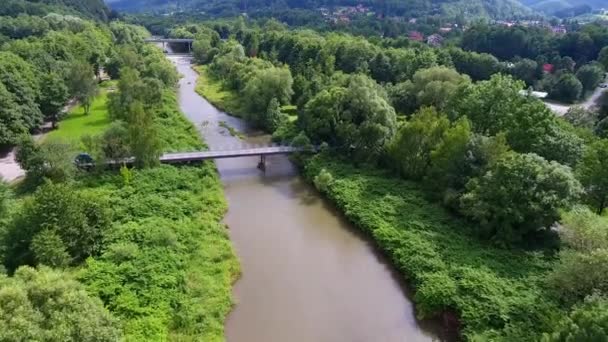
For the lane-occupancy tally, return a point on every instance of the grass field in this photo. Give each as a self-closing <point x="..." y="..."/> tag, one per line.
<point x="77" y="123"/>
<point x="211" y="89"/>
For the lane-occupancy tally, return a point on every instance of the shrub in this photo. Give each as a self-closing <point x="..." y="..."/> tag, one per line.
<point x="48" y="305"/>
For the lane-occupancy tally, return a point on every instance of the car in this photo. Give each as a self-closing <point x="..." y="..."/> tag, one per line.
<point x="604" y="85"/>
<point x="84" y="161"/>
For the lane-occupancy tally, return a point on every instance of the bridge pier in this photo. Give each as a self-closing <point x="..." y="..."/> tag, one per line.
<point x="262" y="163"/>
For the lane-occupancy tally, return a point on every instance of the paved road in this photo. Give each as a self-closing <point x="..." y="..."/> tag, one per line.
<point x="561" y="109"/>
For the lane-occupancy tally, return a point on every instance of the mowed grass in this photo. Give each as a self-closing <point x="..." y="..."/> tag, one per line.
<point x="213" y="91"/>
<point x="77" y="124"/>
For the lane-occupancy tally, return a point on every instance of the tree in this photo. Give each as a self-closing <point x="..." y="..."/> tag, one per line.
<point x="603" y="57"/>
<point x="520" y="195"/>
<point x="12" y="122"/>
<point x="83" y="85"/>
<point x="143" y="137"/>
<point x="53" y="159"/>
<point x="414" y="142"/>
<point x="273" y="116"/>
<point x="262" y="87"/>
<point x="201" y="49"/>
<point x="587" y="322"/>
<point x="449" y="159"/>
<point x="48" y="305"/>
<point x="48" y="249"/>
<point x="356" y="118"/>
<point x="19" y="79"/>
<point x="578" y="116"/>
<point x="78" y="220"/>
<point x="5" y="194"/>
<point x="583" y="266"/>
<point x="436" y="85"/>
<point x="590" y="75"/>
<point x="526" y="70"/>
<point x="580" y="274"/>
<point x="402" y="97"/>
<point x="592" y="171"/>
<point x="568" y="89"/>
<point x="497" y="106"/>
<point x="54" y="94"/>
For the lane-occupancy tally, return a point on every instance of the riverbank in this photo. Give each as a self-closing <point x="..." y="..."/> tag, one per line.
<point x="167" y="266"/>
<point x="308" y="275"/>
<point x="213" y="92"/>
<point x="488" y="293"/>
<point x="169" y="269"/>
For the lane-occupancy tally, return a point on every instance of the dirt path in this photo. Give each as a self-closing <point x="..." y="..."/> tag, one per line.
<point x="10" y="170"/>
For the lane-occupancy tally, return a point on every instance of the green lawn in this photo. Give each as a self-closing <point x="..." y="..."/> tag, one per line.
<point x="77" y="123"/>
<point x="213" y="91"/>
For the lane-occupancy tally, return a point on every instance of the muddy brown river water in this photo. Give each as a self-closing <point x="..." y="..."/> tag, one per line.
<point x="308" y="276"/>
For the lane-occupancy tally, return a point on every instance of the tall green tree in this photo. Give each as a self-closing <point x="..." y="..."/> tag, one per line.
<point x="497" y="106"/>
<point x="414" y="142"/>
<point x="603" y="57"/>
<point x="435" y="86"/>
<point x="519" y="196"/>
<point x="49" y="305"/>
<point x="83" y="85"/>
<point x="592" y="171"/>
<point x="590" y="76"/>
<point x="12" y="122"/>
<point x="19" y="79"/>
<point x="356" y="118"/>
<point x="587" y="322"/>
<point x="568" y="88"/>
<point x="263" y="86"/>
<point x="78" y="220"/>
<point x="143" y="136"/>
<point x="54" y="94"/>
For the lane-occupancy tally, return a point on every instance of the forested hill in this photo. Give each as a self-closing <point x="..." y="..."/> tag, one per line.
<point x="94" y="9"/>
<point x="468" y="8"/>
<point x="565" y="7"/>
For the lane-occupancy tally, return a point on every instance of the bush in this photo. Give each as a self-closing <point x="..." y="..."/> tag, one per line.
<point x="519" y="196"/>
<point x="323" y="180"/>
<point x="48" y="305"/>
<point x="58" y="212"/>
<point x="587" y="322"/>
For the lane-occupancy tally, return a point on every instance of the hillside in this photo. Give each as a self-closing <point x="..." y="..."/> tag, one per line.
<point x="565" y="8"/>
<point x="92" y="9"/>
<point x="467" y="8"/>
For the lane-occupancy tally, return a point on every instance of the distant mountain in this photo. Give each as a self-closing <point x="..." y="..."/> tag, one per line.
<point x="565" y="8"/>
<point x="94" y="9"/>
<point x="467" y="8"/>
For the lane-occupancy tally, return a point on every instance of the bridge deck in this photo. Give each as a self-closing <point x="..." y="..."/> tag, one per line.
<point x="172" y="158"/>
<point x="169" y="40"/>
<point x="186" y="157"/>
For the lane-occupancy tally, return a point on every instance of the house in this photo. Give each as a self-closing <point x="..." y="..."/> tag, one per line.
<point x="548" y="68"/>
<point x="435" y="40"/>
<point x="416" y="36"/>
<point x="445" y="30"/>
<point x="559" y="30"/>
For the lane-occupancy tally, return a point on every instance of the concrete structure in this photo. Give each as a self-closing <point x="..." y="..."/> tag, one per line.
<point x="188" y="42"/>
<point x="193" y="157"/>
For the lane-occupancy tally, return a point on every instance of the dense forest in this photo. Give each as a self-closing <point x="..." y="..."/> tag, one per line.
<point x="491" y="207"/>
<point x="408" y="8"/>
<point x="134" y="254"/>
<point x="441" y="157"/>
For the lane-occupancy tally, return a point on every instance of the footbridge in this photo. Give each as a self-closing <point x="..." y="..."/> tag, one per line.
<point x="236" y="152"/>
<point x="186" y="41"/>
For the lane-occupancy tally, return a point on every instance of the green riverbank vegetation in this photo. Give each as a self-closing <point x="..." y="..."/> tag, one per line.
<point x="136" y="254"/>
<point x="485" y="201"/>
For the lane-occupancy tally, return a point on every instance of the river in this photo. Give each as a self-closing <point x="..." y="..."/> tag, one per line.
<point x="307" y="275"/>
